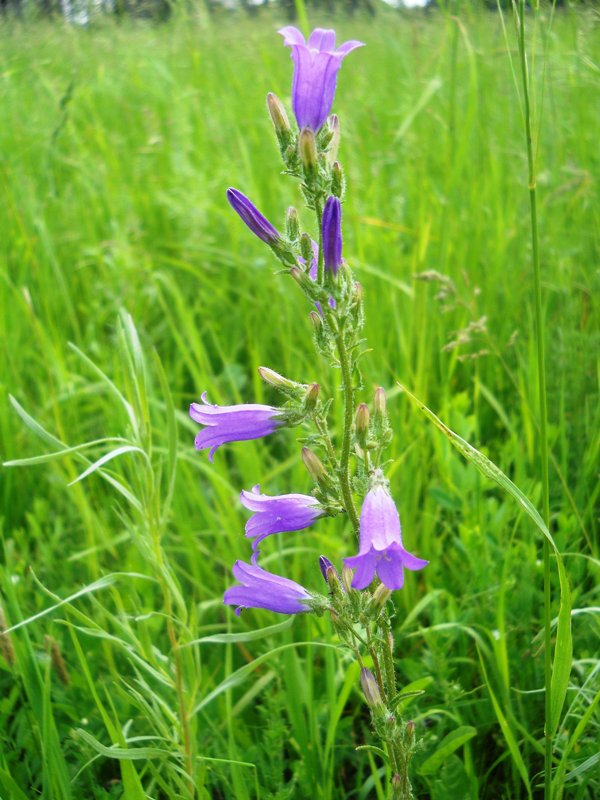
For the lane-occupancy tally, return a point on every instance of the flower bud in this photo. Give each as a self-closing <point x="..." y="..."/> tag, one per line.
<point x="316" y="320"/>
<point x="252" y="217"/>
<point x="275" y="379"/>
<point x="379" y="402"/>
<point x="307" y="148"/>
<point x="358" y="292"/>
<point x="314" y="465"/>
<point x="370" y="688"/>
<point x="306" y="249"/>
<point x="324" y="565"/>
<point x="332" y="235"/>
<point x="333" y="124"/>
<point x="312" y="396"/>
<point x="292" y="224"/>
<point x="381" y="595"/>
<point x="337" y="179"/>
<point x="280" y="120"/>
<point x="410" y="730"/>
<point x="362" y="423"/>
<point x="347" y="576"/>
<point x="331" y="575"/>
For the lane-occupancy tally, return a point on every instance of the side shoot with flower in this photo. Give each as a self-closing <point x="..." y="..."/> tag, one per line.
<point x="347" y="469"/>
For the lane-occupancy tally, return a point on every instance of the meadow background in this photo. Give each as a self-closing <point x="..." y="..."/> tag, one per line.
<point x="129" y="287"/>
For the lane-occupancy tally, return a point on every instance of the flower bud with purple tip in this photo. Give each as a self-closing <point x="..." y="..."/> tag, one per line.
<point x="332" y="235"/>
<point x="331" y="576"/>
<point x="247" y="211"/>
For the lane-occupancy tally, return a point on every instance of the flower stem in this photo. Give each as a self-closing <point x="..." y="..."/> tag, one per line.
<point x="388" y="660"/>
<point x="543" y="413"/>
<point x="344" y="472"/>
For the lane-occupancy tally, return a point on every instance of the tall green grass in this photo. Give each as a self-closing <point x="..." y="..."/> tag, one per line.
<point x="128" y="288"/>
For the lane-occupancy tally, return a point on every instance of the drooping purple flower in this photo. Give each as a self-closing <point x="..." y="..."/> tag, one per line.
<point x="258" y="224"/>
<point x="262" y="589"/>
<point x="332" y="234"/>
<point x="316" y="65"/>
<point x="232" y="423"/>
<point x="278" y="514"/>
<point x="381" y="550"/>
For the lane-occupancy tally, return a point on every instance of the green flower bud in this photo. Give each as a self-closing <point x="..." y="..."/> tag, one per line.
<point x="306" y="249"/>
<point x="362" y="423"/>
<point x="333" y="124"/>
<point x="316" y="320"/>
<point x="381" y="595"/>
<point x="370" y="688"/>
<point x="314" y="465"/>
<point x="337" y="179"/>
<point x="280" y="121"/>
<point x="312" y="396"/>
<point x="307" y="148"/>
<point x="347" y="576"/>
<point x="278" y="381"/>
<point x="292" y="224"/>
<point x="380" y="403"/>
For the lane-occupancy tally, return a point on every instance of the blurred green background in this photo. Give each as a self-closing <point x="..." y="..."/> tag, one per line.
<point x="129" y="287"/>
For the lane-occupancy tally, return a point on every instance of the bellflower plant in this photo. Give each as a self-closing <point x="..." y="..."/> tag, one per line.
<point x="346" y="469"/>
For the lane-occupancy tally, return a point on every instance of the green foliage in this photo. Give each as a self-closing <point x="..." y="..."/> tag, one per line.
<point x="117" y="145"/>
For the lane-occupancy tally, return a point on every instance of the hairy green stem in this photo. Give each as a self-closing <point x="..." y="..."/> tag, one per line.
<point x="388" y="660"/>
<point x="321" y="426"/>
<point x="543" y="413"/>
<point x="344" y="468"/>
